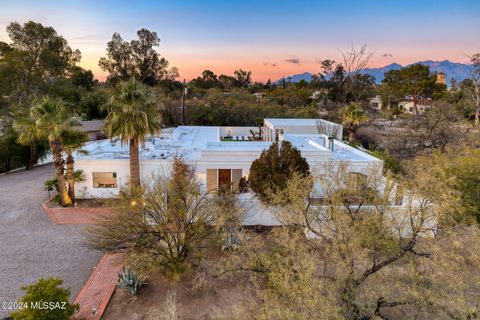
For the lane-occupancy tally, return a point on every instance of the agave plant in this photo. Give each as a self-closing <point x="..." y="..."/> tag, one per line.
<point x="130" y="281"/>
<point x="232" y="239"/>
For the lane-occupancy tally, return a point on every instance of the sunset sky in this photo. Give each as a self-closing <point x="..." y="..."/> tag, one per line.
<point x="270" y="38"/>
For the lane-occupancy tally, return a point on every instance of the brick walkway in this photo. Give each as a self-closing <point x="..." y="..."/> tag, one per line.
<point x="75" y="215"/>
<point x="99" y="288"/>
<point x="97" y="291"/>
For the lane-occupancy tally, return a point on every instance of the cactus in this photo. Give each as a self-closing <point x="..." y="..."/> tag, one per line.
<point x="130" y="281"/>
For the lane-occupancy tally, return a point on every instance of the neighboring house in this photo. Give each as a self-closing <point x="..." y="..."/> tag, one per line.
<point x="259" y="95"/>
<point x="407" y="105"/>
<point x="316" y="94"/>
<point x="441" y="79"/>
<point x="376" y="103"/>
<point x="217" y="162"/>
<point x="93" y="128"/>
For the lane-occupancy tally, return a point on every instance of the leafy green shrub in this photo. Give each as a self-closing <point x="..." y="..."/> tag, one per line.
<point x="389" y="162"/>
<point x="52" y="183"/>
<point x="45" y="299"/>
<point x="130" y="281"/>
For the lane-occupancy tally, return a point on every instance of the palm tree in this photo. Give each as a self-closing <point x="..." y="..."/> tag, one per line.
<point x="352" y="117"/>
<point x="72" y="140"/>
<point x="132" y="115"/>
<point x="51" y="119"/>
<point x="28" y="135"/>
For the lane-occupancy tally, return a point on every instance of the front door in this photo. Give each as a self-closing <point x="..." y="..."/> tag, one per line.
<point x="224" y="178"/>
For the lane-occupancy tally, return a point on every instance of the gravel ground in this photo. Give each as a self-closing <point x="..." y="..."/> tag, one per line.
<point x="31" y="246"/>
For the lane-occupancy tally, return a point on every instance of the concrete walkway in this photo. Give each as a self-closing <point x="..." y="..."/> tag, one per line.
<point x="31" y="246"/>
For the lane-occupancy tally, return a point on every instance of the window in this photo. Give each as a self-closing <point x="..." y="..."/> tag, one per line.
<point x="104" y="179"/>
<point x="223" y="178"/>
<point x="212" y="178"/>
<point x="236" y="176"/>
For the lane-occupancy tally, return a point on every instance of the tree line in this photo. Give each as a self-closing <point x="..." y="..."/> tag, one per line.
<point x="38" y="62"/>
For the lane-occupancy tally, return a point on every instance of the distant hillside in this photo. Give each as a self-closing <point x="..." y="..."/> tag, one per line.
<point x="307" y="76"/>
<point x="459" y="71"/>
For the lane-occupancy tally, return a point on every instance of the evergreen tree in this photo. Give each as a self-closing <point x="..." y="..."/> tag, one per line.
<point x="276" y="165"/>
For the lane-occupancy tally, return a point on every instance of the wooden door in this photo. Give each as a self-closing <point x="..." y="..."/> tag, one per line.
<point x="224" y="178"/>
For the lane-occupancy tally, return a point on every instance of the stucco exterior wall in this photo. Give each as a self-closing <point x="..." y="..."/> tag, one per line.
<point x="149" y="168"/>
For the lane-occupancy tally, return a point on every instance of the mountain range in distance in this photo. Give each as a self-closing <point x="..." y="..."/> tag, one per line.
<point x="459" y="71"/>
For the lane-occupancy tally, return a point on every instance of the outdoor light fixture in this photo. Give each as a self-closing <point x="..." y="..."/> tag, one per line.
<point x="48" y="189"/>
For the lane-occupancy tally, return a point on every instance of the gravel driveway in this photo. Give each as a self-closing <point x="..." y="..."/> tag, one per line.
<point x="31" y="246"/>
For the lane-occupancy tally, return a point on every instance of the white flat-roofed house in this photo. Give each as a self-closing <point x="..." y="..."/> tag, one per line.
<point x="376" y="103"/>
<point x="220" y="155"/>
<point x="408" y="106"/>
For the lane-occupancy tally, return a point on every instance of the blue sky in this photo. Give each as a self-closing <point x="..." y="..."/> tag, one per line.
<point x="262" y="35"/>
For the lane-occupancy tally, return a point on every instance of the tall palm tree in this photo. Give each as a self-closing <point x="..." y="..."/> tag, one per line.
<point x="132" y="114"/>
<point x="72" y="140"/>
<point x="51" y="119"/>
<point x="352" y="117"/>
<point x="28" y="135"/>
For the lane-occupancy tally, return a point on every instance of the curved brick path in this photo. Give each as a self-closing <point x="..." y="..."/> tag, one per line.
<point x="98" y="290"/>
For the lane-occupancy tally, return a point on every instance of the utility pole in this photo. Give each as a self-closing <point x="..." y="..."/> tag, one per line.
<point x="184" y="93"/>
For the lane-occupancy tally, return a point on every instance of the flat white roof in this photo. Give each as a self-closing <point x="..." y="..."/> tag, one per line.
<point x="307" y="142"/>
<point x="344" y="152"/>
<point x="188" y="142"/>
<point x="318" y="143"/>
<point x="184" y="141"/>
